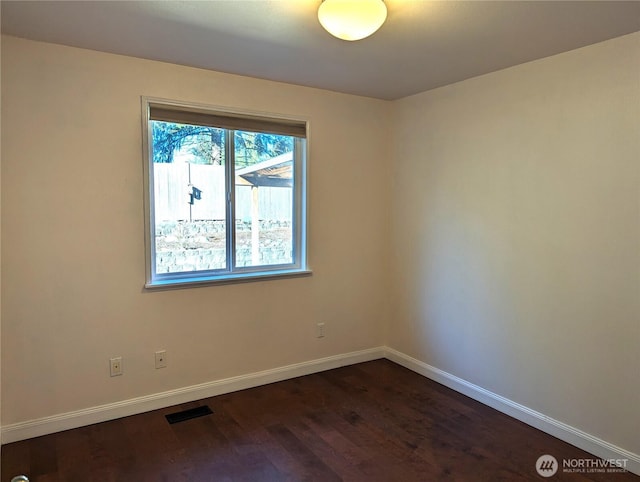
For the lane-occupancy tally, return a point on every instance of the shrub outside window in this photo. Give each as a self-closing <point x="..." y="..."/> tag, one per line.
<point x="225" y="195"/>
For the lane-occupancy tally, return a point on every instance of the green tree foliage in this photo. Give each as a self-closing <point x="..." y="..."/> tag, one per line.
<point x="252" y="147"/>
<point x="169" y="137"/>
<point x="206" y="144"/>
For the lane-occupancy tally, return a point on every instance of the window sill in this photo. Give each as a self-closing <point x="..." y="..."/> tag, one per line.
<point x="196" y="282"/>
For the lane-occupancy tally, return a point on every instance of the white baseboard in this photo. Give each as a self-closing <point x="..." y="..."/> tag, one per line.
<point x="111" y="411"/>
<point x="567" y="433"/>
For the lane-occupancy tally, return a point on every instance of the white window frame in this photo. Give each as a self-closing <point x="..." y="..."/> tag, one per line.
<point x="232" y="273"/>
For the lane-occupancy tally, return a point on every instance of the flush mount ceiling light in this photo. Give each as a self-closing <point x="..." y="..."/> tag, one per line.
<point x="352" y="19"/>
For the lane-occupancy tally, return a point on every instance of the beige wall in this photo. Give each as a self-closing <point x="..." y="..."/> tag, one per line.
<point x="73" y="248"/>
<point x="513" y="233"/>
<point x="0" y="240"/>
<point x="517" y="235"/>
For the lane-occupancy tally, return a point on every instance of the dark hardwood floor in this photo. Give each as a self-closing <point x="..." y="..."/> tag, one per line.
<point x="373" y="421"/>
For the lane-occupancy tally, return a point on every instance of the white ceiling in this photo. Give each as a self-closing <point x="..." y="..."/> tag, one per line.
<point x="423" y="44"/>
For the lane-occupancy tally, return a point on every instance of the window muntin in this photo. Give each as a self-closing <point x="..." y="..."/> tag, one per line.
<point x="225" y="195"/>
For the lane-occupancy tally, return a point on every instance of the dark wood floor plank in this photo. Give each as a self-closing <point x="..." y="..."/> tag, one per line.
<point x="373" y="422"/>
<point x="71" y="446"/>
<point x="287" y="466"/>
<point x="313" y="467"/>
<point x="330" y="455"/>
<point x="378" y="458"/>
<point x="256" y="464"/>
<point x="16" y="459"/>
<point x="463" y="430"/>
<point x="43" y="456"/>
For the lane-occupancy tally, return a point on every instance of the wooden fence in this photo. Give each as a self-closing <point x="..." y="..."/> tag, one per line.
<point x="173" y="183"/>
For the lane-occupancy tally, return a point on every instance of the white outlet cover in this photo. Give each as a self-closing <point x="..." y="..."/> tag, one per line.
<point x="115" y="366"/>
<point x="161" y="359"/>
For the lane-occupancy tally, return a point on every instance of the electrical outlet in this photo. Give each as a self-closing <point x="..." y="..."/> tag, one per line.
<point x="115" y="366"/>
<point x="319" y="330"/>
<point x="161" y="359"/>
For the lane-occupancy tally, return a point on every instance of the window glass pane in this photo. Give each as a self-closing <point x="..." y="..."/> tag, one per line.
<point x="189" y="197"/>
<point x="226" y="195"/>
<point x="264" y="198"/>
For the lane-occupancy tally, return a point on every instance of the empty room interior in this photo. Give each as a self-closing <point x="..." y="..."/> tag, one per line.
<point x="413" y="255"/>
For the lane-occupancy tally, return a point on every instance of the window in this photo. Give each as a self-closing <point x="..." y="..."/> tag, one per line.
<point x="225" y="195"/>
